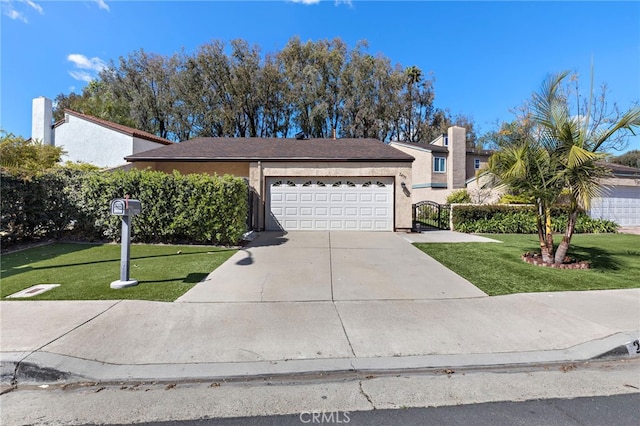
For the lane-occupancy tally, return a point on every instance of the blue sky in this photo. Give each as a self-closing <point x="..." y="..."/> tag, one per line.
<point x="487" y="57"/>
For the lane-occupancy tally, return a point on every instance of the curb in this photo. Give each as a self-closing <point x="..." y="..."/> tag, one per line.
<point x="23" y="368"/>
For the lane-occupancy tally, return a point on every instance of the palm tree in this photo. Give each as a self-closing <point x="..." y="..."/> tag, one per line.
<point x="575" y="146"/>
<point x="526" y="167"/>
<point x="414" y="76"/>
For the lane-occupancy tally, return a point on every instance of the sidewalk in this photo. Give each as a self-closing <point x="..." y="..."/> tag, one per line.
<point x="44" y="341"/>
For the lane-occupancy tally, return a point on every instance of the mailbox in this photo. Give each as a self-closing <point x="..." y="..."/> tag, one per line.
<point x="125" y="207"/>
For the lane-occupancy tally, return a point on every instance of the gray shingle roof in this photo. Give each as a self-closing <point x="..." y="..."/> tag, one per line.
<point x="274" y="149"/>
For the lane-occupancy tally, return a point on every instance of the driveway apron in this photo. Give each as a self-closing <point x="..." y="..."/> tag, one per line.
<point x="330" y="266"/>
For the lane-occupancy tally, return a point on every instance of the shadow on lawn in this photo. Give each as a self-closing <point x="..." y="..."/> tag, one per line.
<point x="192" y="278"/>
<point x="21" y="269"/>
<point x="600" y="259"/>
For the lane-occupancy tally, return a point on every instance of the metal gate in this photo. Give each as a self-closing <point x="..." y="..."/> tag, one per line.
<point x="429" y="214"/>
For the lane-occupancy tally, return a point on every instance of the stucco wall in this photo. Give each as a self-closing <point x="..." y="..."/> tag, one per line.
<point x="240" y="169"/>
<point x="470" y="169"/>
<point x="141" y="145"/>
<point x="92" y="143"/>
<point x="401" y="172"/>
<point x="456" y="162"/>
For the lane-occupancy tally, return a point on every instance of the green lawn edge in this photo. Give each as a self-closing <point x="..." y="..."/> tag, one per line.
<point x="497" y="268"/>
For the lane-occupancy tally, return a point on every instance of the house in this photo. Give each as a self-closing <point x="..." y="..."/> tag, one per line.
<point x="304" y="184"/>
<point x="620" y="201"/>
<point x="443" y="166"/>
<point x="89" y="139"/>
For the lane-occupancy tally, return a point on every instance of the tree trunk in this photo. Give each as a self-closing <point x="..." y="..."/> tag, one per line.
<point x="563" y="248"/>
<point x="545" y="236"/>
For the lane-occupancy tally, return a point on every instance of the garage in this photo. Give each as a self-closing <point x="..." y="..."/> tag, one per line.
<point x="330" y="203"/>
<point x="621" y="204"/>
<point x="358" y="184"/>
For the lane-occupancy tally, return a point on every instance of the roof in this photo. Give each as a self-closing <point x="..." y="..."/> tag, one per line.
<point x="619" y="170"/>
<point x="422" y="146"/>
<point x="274" y="149"/>
<point x="117" y="127"/>
<point x="440" y="148"/>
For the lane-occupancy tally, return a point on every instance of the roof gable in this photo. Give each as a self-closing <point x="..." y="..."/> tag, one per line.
<point x="116" y="127"/>
<point x="274" y="149"/>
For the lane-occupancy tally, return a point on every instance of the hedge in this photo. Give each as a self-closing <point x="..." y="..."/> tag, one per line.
<point x="176" y="208"/>
<point x="520" y="219"/>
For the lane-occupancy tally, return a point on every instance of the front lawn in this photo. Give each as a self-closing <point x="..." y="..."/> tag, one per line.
<point x="85" y="271"/>
<point x="497" y="268"/>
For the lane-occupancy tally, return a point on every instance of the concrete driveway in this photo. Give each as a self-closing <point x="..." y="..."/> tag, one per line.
<point x="330" y="266"/>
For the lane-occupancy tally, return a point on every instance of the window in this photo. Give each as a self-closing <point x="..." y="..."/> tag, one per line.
<point x="439" y="164"/>
<point x="446" y="140"/>
<point x="476" y="163"/>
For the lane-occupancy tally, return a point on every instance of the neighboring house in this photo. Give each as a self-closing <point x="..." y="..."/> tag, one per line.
<point x="443" y="166"/>
<point x="310" y="184"/>
<point x="89" y="139"/>
<point x="620" y="202"/>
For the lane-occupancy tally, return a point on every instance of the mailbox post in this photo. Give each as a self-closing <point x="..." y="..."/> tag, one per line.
<point x="125" y="208"/>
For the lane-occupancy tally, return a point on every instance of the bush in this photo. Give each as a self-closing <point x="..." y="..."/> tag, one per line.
<point x="521" y="219"/>
<point x="516" y="199"/>
<point x="175" y="208"/>
<point x="460" y="196"/>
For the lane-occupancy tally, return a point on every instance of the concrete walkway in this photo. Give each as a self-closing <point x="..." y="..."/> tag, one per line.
<point x="338" y="266"/>
<point x="250" y="325"/>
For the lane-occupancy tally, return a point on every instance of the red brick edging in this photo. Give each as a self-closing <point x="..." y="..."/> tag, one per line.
<point x="536" y="259"/>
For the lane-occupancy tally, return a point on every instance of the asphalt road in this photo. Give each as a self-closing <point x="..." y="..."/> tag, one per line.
<point x="620" y="410"/>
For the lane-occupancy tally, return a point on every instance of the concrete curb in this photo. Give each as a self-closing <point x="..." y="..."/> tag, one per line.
<point x="23" y="368"/>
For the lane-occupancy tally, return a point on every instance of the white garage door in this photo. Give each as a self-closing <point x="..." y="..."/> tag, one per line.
<point x="620" y="205"/>
<point x="349" y="204"/>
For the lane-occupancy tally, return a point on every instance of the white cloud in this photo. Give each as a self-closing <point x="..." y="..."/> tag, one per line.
<point x="103" y="5"/>
<point x="81" y="76"/>
<point x="86" y="69"/>
<point x="82" y="62"/>
<point x="35" y="6"/>
<point x="15" y="15"/>
<point x="347" y="2"/>
<point x="306" y="1"/>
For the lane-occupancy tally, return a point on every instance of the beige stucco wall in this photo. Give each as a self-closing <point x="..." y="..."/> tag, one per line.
<point x="471" y="156"/>
<point x="400" y="171"/>
<point x="239" y="168"/>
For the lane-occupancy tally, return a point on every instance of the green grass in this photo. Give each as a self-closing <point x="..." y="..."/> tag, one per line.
<point x="498" y="269"/>
<point x="85" y="271"/>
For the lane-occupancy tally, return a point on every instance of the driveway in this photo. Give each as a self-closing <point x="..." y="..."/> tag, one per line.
<point x="330" y="266"/>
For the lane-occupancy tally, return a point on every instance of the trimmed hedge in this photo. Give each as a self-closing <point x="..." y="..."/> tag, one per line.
<point x="176" y="208"/>
<point x="520" y="219"/>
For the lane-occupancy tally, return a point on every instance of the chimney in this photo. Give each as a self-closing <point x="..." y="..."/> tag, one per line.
<point x="42" y="120"/>
<point x="457" y="159"/>
<point x="334" y="133"/>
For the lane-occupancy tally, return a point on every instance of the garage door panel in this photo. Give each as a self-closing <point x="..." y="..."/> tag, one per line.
<point x="330" y="204"/>
<point x="620" y="204"/>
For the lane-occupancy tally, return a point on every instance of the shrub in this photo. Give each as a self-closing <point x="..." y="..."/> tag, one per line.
<point x="515" y="199"/>
<point x="175" y="208"/>
<point x="520" y="219"/>
<point x="460" y="196"/>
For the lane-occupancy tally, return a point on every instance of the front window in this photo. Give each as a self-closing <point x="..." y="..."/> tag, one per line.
<point x="446" y="140"/>
<point x="439" y="164"/>
<point x="476" y="163"/>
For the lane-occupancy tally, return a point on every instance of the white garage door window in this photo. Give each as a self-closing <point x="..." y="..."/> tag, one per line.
<point x="620" y="205"/>
<point x="349" y="204"/>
